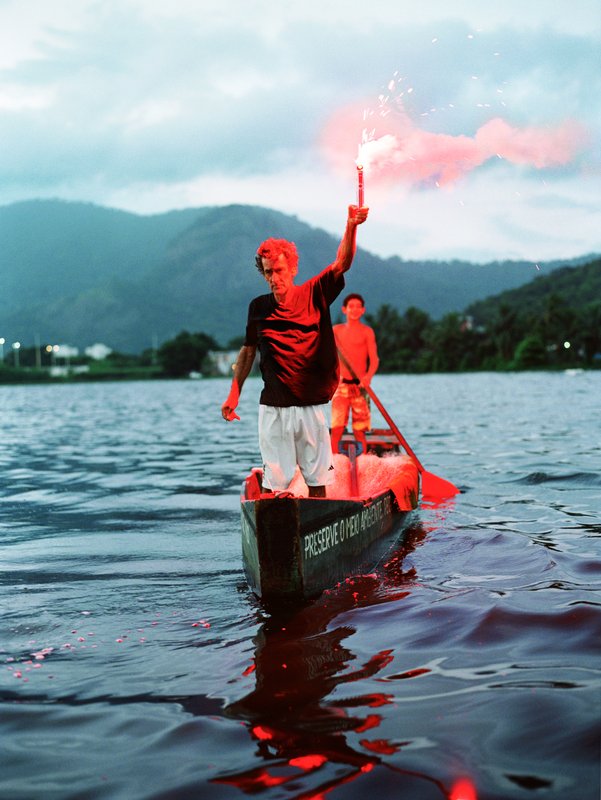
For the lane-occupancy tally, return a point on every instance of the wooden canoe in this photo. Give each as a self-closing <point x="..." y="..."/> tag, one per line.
<point x="295" y="547"/>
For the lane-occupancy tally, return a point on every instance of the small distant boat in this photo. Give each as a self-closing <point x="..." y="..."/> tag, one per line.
<point x="294" y="546"/>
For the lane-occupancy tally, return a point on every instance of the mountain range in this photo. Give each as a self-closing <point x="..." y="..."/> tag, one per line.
<point x="76" y="273"/>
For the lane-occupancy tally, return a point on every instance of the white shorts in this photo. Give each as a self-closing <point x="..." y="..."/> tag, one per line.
<point x="295" y="435"/>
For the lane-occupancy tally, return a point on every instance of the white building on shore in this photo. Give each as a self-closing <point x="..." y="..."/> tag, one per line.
<point x="98" y="351"/>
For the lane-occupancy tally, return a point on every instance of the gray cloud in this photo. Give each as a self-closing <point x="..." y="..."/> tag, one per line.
<point x="142" y="94"/>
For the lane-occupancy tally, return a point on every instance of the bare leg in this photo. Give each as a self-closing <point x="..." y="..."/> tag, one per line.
<point x="335" y="437"/>
<point x="360" y="437"/>
<point x="317" y="491"/>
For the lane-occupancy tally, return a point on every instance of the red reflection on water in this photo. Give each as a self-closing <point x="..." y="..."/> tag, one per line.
<point x="261" y="733"/>
<point x="381" y="746"/>
<point x="410" y="673"/>
<point x="413" y="673"/>
<point x="308" y="762"/>
<point x="300" y="717"/>
<point x="375" y="664"/>
<point x="371" y="721"/>
<point x="255" y="780"/>
<point x="430" y="501"/>
<point x="379" y="699"/>
<point x="463" y="789"/>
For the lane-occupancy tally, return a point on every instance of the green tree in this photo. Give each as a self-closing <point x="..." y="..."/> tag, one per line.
<point x="506" y="332"/>
<point x="123" y="360"/>
<point x="401" y="339"/>
<point x="452" y="345"/>
<point x="589" y="332"/>
<point x="387" y="326"/>
<point x="530" y="353"/>
<point x="557" y="323"/>
<point x="415" y="325"/>
<point x="185" y="353"/>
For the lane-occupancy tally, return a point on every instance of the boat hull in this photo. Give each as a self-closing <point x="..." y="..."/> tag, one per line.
<point x="295" y="547"/>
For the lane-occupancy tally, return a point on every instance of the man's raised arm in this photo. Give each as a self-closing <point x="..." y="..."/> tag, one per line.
<point x="348" y="245"/>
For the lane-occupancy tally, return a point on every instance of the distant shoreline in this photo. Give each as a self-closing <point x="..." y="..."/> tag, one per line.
<point x="42" y="377"/>
<point x="106" y="377"/>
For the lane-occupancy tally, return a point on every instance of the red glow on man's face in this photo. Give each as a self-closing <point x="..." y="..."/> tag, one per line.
<point x="463" y="789"/>
<point x="279" y="275"/>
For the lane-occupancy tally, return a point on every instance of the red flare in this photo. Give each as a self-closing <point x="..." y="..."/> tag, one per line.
<point x="463" y="789"/>
<point x="360" y="187"/>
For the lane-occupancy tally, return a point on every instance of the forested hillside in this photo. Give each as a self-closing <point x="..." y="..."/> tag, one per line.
<point x="553" y="321"/>
<point x="76" y="273"/>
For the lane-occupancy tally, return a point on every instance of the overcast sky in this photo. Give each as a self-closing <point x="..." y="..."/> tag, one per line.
<point x="486" y="114"/>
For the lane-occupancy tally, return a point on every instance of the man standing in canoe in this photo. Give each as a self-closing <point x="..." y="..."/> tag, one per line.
<point x="292" y="329"/>
<point x="356" y="343"/>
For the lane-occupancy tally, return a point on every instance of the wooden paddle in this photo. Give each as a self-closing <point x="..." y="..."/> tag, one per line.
<point x="432" y="485"/>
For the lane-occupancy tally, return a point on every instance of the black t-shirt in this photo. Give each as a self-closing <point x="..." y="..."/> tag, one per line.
<point x="299" y="361"/>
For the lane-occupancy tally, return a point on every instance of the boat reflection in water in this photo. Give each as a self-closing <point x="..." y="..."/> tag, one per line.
<point x="301" y="725"/>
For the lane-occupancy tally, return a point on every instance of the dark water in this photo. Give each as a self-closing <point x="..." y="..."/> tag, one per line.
<point x="135" y="663"/>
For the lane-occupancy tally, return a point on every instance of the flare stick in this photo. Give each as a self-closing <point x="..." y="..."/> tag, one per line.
<point x="360" y="188"/>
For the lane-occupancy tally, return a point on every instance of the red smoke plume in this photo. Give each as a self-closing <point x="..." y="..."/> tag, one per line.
<point x="398" y="150"/>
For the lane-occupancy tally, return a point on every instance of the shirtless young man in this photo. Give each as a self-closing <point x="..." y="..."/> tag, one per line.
<point x="292" y="330"/>
<point x="357" y="342"/>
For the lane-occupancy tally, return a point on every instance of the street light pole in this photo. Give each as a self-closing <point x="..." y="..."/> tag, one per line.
<point x="16" y="348"/>
<point x="2" y="341"/>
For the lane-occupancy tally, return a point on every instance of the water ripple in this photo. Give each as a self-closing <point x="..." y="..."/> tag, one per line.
<point x="135" y="663"/>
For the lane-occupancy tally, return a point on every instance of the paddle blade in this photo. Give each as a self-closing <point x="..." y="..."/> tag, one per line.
<point x="437" y="488"/>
